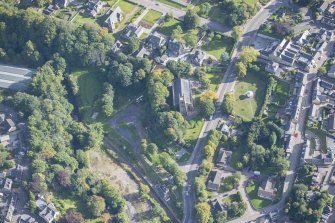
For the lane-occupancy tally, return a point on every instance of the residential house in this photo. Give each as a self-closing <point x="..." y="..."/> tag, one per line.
<point x="4" y="139"/>
<point x="316" y="156"/>
<point x="156" y="41"/>
<point x="317" y="178"/>
<point x="272" y="67"/>
<point x="10" y="211"/>
<point x="114" y="18"/>
<point x="331" y="123"/>
<point x="327" y="212"/>
<point x="94" y="7"/>
<point x="142" y="52"/>
<point x="7" y="187"/>
<point x="24" y="218"/>
<point x="182" y="95"/>
<point x="218" y="206"/>
<point x="224" y="158"/>
<point x="47" y="211"/>
<point x="267" y="190"/>
<point x="132" y="30"/>
<point x="175" y="48"/>
<point x="117" y="46"/>
<point x="50" y="10"/>
<point x="198" y="57"/>
<point x="9" y="125"/>
<point x="62" y="3"/>
<point x="331" y="72"/>
<point x="310" y="196"/>
<point x="214" y="180"/>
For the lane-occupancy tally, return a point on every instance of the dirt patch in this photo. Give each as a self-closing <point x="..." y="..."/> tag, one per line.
<point x="138" y="210"/>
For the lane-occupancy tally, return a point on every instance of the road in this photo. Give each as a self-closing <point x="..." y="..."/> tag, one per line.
<point x="15" y="78"/>
<point x="227" y="85"/>
<point x="179" y="14"/>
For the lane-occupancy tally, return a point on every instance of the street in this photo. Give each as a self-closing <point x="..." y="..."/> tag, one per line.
<point x="227" y="85"/>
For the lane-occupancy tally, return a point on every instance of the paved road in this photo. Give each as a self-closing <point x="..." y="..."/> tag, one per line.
<point x="227" y="85"/>
<point x="15" y="78"/>
<point x="179" y="14"/>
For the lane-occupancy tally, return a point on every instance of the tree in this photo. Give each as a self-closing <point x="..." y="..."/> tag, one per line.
<point x="74" y="217"/>
<point x="105" y="217"/>
<point x="191" y="20"/>
<point x="205" y="8"/>
<point x="228" y="103"/>
<point x="38" y="166"/>
<point x="107" y="100"/>
<point x="30" y="53"/>
<point x="237" y="32"/>
<point x="64" y="178"/>
<point x="133" y="44"/>
<point x="322" y="70"/>
<point x="191" y="40"/>
<point x="241" y="69"/>
<point x="96" y="205"/>
<point x="203" y="212"/>
<point x="207" y="107"/>
<point x="280" y="28"/>
<point x="176" y="32"/>
<point x="248" y="55"/>
<point x="224" y="56"/>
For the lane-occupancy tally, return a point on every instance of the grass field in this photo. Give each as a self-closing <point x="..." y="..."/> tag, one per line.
<point x="152" y="16"/>
<point x="81" y="19"/>
<point x="169" y="26"/>
<point x="247" y="108"/>
<point x="191" y="135"/>
<point x="90" y="90"/>
<point x="174" y="4"/>
<point x="125" y="6"/>
<point x="256" y="201"/>
<point x="214" y="78"/>
<point x="217" y="46"/>
<point x="111" y="2"/>
<point x="231" y="198"/>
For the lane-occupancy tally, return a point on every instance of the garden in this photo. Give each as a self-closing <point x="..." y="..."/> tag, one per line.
<point x="247" y="108"/>
<point x="257" y="202"/>
<point x="219" y="44"/>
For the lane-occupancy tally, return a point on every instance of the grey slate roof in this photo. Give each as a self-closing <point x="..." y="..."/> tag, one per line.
<point x="181" y="88"/>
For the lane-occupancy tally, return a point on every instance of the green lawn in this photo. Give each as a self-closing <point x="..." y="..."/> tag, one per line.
<point x="125" y="6"/>
<point x="247" y="108"/>
<point x="169" y="26"/>
<point x="231" y="198"/>
<point x="173" y="3"/>
<point x="217" y="15"/>
<point x="151" y="17"/>
<point x="82" y="19"/>
<point x="111" y="2"/>
<point x="90" y="90"/>
<point x="215" y="79"/>
<point x="217" y="46"/>
<point x="191" y="135"/>
<point x="256" y="201"/>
